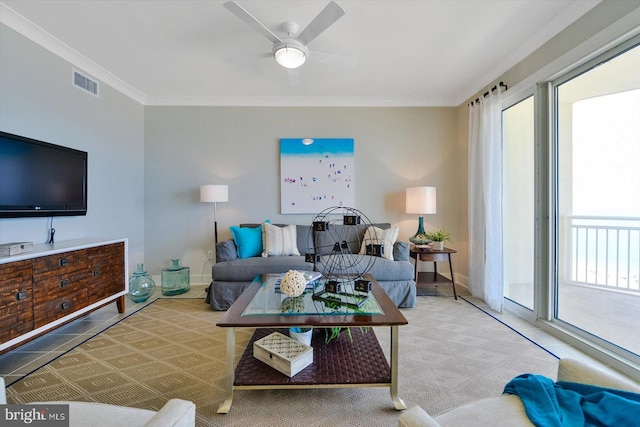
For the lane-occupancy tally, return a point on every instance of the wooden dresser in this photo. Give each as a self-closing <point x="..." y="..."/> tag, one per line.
<point x="54" y="284"/>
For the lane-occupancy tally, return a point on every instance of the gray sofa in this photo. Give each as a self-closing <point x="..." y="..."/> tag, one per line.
<point x="232" y="275"/>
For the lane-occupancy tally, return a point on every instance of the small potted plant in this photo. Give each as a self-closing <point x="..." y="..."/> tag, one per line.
<point x="438" y="237"/>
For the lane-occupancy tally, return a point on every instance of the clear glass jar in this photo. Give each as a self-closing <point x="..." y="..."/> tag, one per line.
<point x="141" y="285"/>
<point x="175" y="279"/>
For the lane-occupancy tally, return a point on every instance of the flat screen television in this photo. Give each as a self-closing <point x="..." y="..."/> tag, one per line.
<point x="41" y="179"/>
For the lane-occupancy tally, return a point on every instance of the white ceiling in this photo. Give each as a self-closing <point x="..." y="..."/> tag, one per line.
<point x="195" y="52"/>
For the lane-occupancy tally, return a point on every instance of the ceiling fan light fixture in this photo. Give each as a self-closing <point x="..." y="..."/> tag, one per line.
<point x="289" y="56"/>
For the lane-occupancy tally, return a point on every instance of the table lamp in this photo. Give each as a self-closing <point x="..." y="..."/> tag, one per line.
<point x="214" y="194"/>
<point x="421" y="201"/>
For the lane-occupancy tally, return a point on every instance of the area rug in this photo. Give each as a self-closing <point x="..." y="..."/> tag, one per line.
<point x="450" y="353"/>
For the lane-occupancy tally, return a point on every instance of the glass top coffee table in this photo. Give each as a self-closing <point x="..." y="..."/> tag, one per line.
<point x="337" y="364"/>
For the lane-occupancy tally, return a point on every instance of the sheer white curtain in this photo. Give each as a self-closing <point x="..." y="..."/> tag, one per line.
<point x="485" y="200"/>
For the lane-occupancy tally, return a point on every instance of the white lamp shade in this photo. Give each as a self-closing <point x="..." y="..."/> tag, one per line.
<point x="214" y="193"/>
<point x="421" y="200"/>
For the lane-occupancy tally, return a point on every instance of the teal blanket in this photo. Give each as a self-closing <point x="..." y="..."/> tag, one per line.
<point x="561" y="404"/>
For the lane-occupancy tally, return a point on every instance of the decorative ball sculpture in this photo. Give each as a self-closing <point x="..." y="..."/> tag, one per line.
<point x="293" y="283"/>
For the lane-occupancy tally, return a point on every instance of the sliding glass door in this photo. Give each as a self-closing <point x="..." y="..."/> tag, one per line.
<point x="597" y="199"/>
<point x="518" y="206"/>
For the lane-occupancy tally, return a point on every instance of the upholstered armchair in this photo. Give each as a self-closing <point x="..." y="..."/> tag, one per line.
<point x="175" y="413"/>
<point x="507" y="409"/>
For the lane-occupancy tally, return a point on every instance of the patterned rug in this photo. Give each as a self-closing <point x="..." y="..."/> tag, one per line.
<point x="450" y="353"/>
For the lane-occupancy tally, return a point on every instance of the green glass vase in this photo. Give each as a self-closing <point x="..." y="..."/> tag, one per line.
<point x="175" y="279"/>
<point x="141" y="285"/>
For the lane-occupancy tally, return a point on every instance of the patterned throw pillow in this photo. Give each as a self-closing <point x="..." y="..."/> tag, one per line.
<point x="378" y="236"/>
<point x="279" y="241"/>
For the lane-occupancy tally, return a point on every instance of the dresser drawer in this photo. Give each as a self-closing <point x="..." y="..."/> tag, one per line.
<point x="54" y="265"/>
<point x="105" y="262"/>
<point x="16" y="304"/>
<point x="107" y="271"/>
<point x="56" y="308"/>
<point x="48" y="287"/>
<point x="15" y="282"/>
<point x="105" y="281"/>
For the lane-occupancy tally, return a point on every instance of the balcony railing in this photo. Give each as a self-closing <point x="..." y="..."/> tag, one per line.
<point x="603" y="252"/>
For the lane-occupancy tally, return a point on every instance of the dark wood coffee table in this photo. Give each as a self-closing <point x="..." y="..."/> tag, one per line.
<point x="335" y="365"/>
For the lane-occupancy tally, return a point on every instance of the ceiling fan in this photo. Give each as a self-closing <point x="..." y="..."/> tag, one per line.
<point x="291" y="51"/>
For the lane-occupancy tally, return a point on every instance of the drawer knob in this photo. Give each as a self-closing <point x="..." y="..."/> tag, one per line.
<point x="95" y="272"/>
<point x="64" y="283"/>
<point x="21" y="295"/>
<point x="65" y="305"/>
<point x="63" y="262"/>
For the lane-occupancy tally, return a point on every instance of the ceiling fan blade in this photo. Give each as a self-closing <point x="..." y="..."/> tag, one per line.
<point x="330" y="14"/>
<point x="243" y="14"/>
<point x="346" y="62"/>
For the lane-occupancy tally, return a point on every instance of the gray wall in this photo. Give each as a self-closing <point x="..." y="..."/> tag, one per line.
<point x="37" y="100"/>
<point x="186" y="147"/>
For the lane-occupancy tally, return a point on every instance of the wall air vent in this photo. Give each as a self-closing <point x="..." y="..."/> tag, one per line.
<point x="85" y="83"/>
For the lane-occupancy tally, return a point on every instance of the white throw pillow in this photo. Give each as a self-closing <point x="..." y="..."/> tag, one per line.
<point x="378" y="236"/>
<point x="278" y="241"/>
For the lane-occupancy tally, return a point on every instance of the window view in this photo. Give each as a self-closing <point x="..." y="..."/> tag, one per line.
<point x="598" y="212"/>
<point x="518" y="202"/>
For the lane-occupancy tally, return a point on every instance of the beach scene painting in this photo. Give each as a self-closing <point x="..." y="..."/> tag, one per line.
<point x="316" y="174"/>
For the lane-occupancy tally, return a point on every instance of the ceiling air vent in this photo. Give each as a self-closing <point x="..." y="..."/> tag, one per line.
<point x="85" y="83"/>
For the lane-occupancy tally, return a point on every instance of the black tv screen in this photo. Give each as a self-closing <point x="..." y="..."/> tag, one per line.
<point x="41" y="179"/>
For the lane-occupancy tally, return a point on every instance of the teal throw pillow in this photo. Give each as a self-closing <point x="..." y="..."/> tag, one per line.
<point x="248" y="240"/>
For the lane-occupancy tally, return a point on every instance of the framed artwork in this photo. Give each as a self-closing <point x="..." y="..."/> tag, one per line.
<point x="316" y="174"/>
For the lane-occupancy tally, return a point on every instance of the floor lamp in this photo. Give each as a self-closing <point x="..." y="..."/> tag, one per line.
<point x="214" y="194"/>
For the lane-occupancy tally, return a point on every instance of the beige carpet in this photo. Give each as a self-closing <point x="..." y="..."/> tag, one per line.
<point x="450" y="353"/>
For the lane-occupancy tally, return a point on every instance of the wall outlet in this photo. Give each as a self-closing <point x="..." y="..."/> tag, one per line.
<point x="210" y="255"/>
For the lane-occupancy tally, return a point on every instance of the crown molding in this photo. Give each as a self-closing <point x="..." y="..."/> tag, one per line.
<point x="41" y="37"/>
<point x="28" y="29"/>
<point x="576" y="10"/>
<point x="292" y="101"/>
<point x="38" y="35"/>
